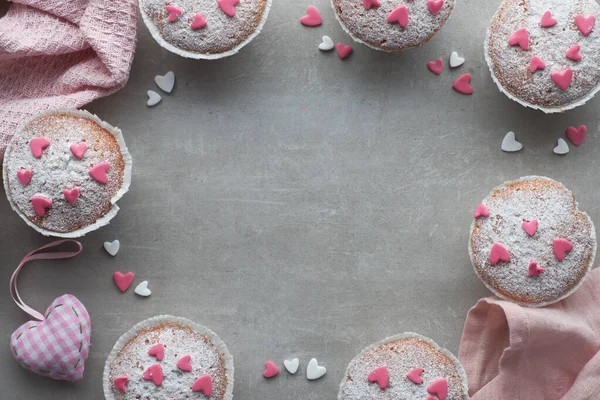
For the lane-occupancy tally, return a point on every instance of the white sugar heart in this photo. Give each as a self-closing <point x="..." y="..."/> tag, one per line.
<point x="327" y="44"/>
<point x="113" y="247"/>
<point x="292" y="365"/>
<point x="510" y="144"/>
<point x="165" y="82"/>
<point x="142" y="289"/>
<point x="153" y="98"/>
<point x="456" y="60"/>
<point x="562" y="147"/>
<point x="314" y="370"/>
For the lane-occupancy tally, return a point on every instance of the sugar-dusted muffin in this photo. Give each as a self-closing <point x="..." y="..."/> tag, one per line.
<point x="169" y="357"/>
<point x="204" y="29"/>
<point x="64" y="171"/>
<point x="407" y="366"/>
<point x="530" y="243"/>
<point x="545" y="54"/>
<point x="392" y="25"/>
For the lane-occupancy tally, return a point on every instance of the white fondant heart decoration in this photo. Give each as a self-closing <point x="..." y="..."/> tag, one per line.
<point x="326" y="44"/>
<point x="113" y="247"/>
<point x="142" y="289"/>
<point x="561" y="148"/>
<point x="314" y="370"/>
<point x="510" y="144"/>
<point x="165" y="82"/>
<point x="153" y="98"/>
<point x="292" y="365"/>
<point x="456" y="60"/>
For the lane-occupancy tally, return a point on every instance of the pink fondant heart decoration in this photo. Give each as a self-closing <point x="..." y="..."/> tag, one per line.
<point x="534" y="269"/>
<point x="481" y="211"/>
<point x="436" y="66"/>
<point x="380" y="375"/>
<point x="560" y="247"/>
<point x="576" y="135"/>
<point x="37" y="146"/>
<point x="40" y="205"/>
<point x="415" y="375"/>
<point x="499" y="253"/>
<point x="158" y="351"/>
<point x="371" y="3"/>
<point x="174" y="12"/>
<point x="78" y="150"/>
<point x="435" y="6"/>
<point x="585" y="25"/>
<point x="228" y="6"/>
<point x="184" y="363"/>
<point x="98" y="172"/>
<point x="120" y="383"/>
<point x="57" y="346"/>
<point x="24" y="176"/>
<point x="548" y="20"/>
<point x="463" y="84"/>
<point x="530" y="227"/>
<point x="562" y="79"/>
<point x="204" y="385"/>
<point x="154" y="373"/>
<point x="439" y="388"/>
<point x="399" y="15"/>
<point x="312" y="17"/>
<point x="536" y="63"/>
<point x="123" y="281"/>
<point x="71" y="195"/>
<point x="270" y="369"/>
<point x="573" y="53"/>
<point x="199" y="22"/>
<point x="520" y="37"/>
<point x="343" y="51"/>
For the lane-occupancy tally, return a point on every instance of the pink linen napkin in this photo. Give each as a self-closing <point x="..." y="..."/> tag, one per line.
<point x="62" y="53"/>
<point x="519" y="353"/>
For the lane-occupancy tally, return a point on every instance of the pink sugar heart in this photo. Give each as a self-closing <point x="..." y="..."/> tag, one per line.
<point x="120" y="383"/>
<point x="24" y="176"/>
<point x="158" y="351"/>
<point x="154" y="373"/>
<point x="40" y="205"/>
<point x="520" y="37"/>
<point x="435" y="6"/>
<point x="481" y="211"/>
<point x="573" y="53"/>
<point x="499" y="253"/>
<point x="560" y="247"/>
<point x="536" y="63"/>
<point x="343" y="51"/>
<point x="37" y="146"/>
<point x="199" y="22"/>
<point x="58" y="346"/>
<point x="585" y="25"/>
<point x="381" y="376"/>
<point x="312" y="17"/>
<point x="436" y="66"/>
<point x="370" y="3"/>
<point x="98" y="172"/>
<point x="577" y="135"/>
<point x="463" y="84"/>
<point x="204" y="385"/>
<point x="534" y="269"/>
<point x="415" y="375"/>
<point x="228" y="6"/>
<point x="271" y="369"/>
<point x="530" y="226"/>
<point x="174" y="12"/>
<point x="547" y="20"/>
<point x="71" y="195"/>
<point x="78" y="150"/>
<point x="439" y="388"/>
<point x="123" y="281"/>
<point x="399" y="15"/>
<point x="562" y="79"/>
<point x="184" y="363"/>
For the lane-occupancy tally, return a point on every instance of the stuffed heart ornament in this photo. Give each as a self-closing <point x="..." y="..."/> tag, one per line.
<point x="57" y="344"/>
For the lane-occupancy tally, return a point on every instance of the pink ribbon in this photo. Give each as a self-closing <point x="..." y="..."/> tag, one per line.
<point x="37" y="255"/>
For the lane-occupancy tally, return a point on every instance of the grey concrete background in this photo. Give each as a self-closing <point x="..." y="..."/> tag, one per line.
<point x="297" y="204"/>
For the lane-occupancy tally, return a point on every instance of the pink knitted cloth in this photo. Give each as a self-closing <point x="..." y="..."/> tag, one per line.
<point x="62" y="53"/>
